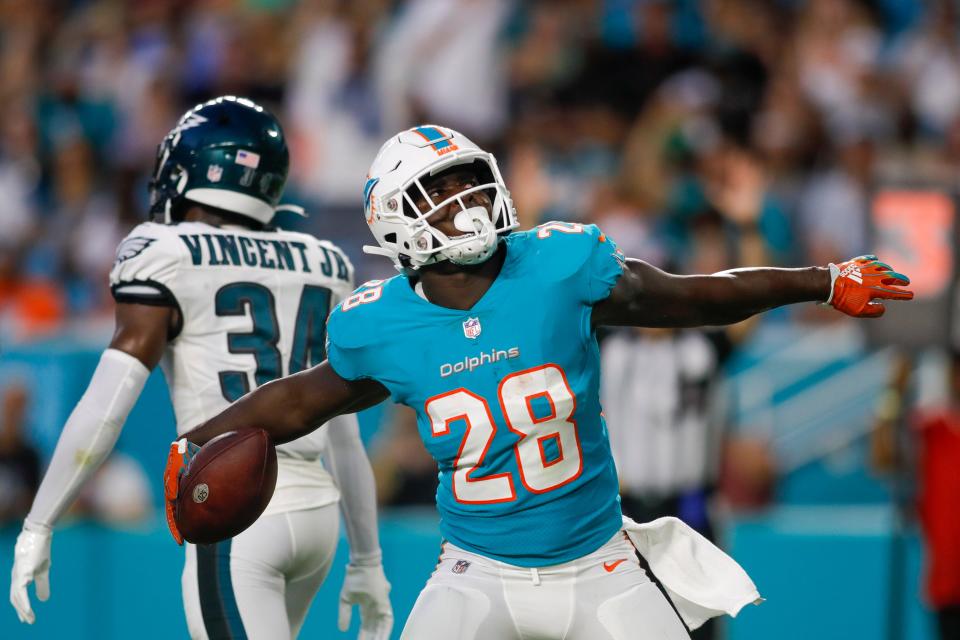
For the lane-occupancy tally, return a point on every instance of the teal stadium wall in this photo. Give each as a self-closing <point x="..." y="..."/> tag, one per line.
<point x="823" y="569"/>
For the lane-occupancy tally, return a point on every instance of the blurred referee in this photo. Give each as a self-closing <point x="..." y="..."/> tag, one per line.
<point x="660" y="395"/>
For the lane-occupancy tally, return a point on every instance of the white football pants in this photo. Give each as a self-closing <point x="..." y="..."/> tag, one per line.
<point x="605" y="595"/>
<point x="260" y="584"/>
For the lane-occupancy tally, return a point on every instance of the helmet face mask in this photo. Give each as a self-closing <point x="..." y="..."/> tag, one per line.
<point x="477" y="239"/>
<point x="229" y="154"/>
<point x="400" y="177"/>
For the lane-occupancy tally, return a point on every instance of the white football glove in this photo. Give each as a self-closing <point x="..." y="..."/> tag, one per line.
<point x="31" y="563"/>
<point x="367" y="587"/>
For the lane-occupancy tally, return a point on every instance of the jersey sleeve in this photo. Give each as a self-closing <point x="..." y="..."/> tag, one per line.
<point x="145" y="267"/>
<point x="340" y="359"/>
<point x="582" y="256"/>
<point x="604" y="265"/>
<point x="347" y="346"/>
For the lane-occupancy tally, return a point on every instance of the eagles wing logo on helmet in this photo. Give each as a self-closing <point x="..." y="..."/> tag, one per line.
<point x="227" y="153"/>
<point x="189" y="122"/>
<point x="132" y="247"/>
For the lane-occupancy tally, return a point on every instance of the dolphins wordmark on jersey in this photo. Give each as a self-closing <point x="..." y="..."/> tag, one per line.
<point x="506" y="393"/>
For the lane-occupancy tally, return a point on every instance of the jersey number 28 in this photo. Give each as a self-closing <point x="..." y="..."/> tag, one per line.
<point x="517" y="392"/>
<point x="242" y="298"/>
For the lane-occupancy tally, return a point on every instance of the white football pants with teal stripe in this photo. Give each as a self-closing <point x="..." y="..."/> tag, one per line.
<point x="260" y="584"/>
<point x="605" y="595"/>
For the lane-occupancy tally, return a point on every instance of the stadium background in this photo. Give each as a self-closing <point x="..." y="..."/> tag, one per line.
<point x="698" y="134"/>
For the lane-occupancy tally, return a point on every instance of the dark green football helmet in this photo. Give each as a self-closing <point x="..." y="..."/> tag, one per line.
<point x="228" y="153"/>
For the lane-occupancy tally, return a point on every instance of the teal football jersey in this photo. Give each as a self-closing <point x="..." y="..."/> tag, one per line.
<point x="506" y="394"/>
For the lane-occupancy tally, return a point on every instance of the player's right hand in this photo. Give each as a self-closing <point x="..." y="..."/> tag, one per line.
<point x="857" y="284"/>
<point x="367" y="587"/>
<point x="181" y="451"/>
<point x="31" y="563"/>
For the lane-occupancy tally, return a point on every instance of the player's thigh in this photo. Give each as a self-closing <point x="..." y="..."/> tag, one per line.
<point x="456" y="613"/>
<point x="623" y="605"/>
<point x="315" y="534"/>
<point x="259" y="558"/>
<point x="460" y="607"/>
<point x="644" y="608"/>
<point x="224" y="600"/>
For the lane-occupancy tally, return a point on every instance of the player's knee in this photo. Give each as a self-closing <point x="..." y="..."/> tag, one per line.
<point x="645" y="608"/>
<point x="443" y="611"/>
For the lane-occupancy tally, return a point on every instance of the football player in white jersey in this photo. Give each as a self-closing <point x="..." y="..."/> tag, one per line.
<point x="225" y="303"/>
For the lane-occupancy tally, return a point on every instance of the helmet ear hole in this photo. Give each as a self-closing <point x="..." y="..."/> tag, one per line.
<point x="390" y="237"/>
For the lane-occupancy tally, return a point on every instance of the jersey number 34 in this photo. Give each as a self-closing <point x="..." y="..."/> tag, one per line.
<point x="308" y="349"/>
<point x="539" y="472"/>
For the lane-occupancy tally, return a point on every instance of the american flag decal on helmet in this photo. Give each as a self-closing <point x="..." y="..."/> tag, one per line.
<point x="247" y="158"/>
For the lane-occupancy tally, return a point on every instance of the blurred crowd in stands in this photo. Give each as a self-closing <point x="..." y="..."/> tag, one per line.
<point x="699" y="134"/>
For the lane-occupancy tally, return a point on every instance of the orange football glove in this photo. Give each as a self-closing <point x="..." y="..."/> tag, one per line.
<point x="857" y="283"/>
<point x="178" y="460"/>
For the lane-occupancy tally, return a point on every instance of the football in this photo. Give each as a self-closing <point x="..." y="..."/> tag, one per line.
<point x="226" y="486"/>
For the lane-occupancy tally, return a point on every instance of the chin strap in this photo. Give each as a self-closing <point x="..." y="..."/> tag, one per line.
<point x="378" y="251"/>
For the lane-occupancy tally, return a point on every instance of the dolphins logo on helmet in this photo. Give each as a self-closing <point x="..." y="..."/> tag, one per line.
<point x="403" y="232"/>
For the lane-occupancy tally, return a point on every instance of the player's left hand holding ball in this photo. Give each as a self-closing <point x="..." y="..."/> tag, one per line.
<point x="367" y="587"/>
<point x="857" y="284"/>
<point x="31" y="563"/>
<point x="178" y="458"/>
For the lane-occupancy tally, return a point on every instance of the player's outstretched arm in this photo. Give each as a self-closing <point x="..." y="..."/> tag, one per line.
<point x="293" y="406"/>
<point x="87" y="439"/>
<point x="648" y="297"/>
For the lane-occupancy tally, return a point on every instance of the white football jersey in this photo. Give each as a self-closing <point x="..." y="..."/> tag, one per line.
<point x="253" y="307"/>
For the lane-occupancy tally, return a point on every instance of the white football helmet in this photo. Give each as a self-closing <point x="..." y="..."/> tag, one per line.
<point x="403" y="232"/>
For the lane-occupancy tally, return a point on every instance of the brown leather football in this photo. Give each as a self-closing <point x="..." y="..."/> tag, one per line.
<point x="226" y="486"/>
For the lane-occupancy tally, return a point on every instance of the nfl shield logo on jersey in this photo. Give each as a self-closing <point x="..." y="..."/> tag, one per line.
<point x="471" y="328"/>
<point x="461" y="566"/>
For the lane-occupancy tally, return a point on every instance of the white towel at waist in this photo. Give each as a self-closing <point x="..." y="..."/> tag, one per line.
<point x="702" y="580"/>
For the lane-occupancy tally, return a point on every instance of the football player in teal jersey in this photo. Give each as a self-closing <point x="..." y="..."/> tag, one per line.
<point x="491" y="337"/>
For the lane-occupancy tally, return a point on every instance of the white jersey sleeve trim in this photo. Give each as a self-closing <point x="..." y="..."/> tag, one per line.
<point x="149" y="290"/>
